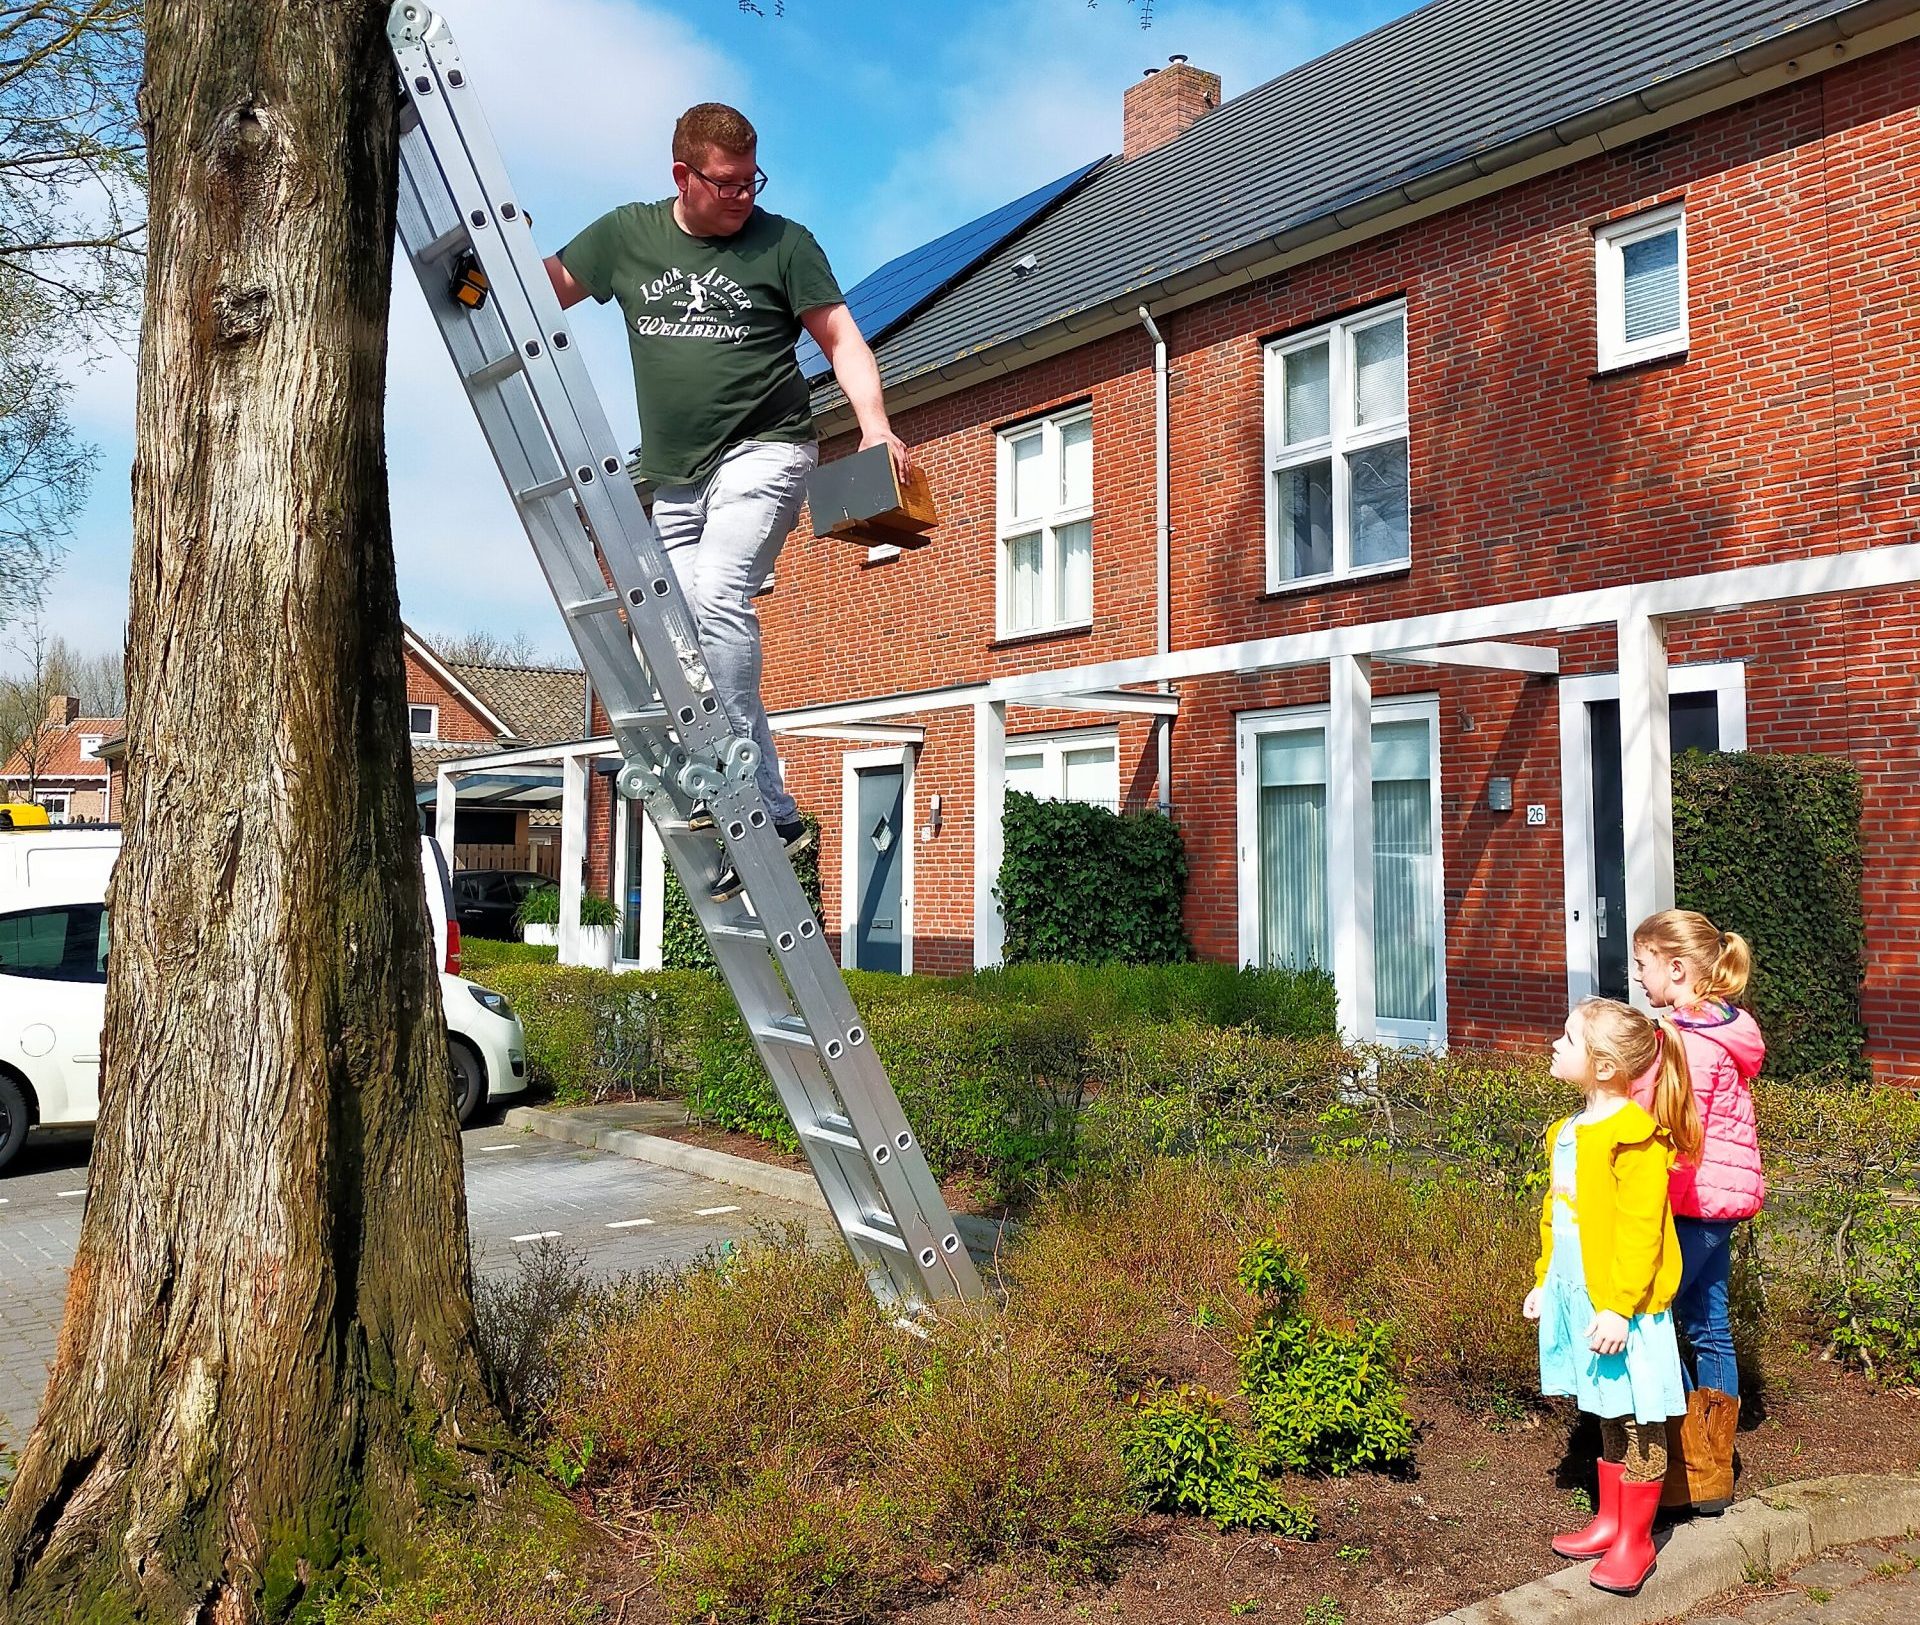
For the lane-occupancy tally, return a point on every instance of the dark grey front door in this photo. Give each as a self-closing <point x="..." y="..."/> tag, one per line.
<point x="1694" y="720"/>
<point x="879" y="837"/>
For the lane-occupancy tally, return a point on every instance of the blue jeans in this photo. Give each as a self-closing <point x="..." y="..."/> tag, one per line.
<point x="1706" y="1257"/>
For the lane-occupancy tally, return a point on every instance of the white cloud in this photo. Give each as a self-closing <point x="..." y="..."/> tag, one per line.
<point x="1032" y="88"/>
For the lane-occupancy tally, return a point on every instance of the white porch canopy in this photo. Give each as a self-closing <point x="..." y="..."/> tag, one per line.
<point x="1480" y="637"/>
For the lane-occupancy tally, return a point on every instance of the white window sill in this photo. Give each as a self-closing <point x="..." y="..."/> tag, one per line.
<point x="1033" y="634"/>
<point x="1306" y="584"/>
<point x="1666" y="350"/>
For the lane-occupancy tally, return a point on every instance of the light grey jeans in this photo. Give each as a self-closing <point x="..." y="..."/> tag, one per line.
<point x="723" y="536"/>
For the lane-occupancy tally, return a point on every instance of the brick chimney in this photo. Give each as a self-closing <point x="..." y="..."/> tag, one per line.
<point x="1167" y="102"/>
<point x="62" y="709"/>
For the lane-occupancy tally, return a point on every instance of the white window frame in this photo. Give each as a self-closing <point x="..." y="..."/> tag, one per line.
<point x="433" y="727"/>
<point x="1726" y="680"/>
<point x="1342" y="440"/>
<point x="903" y="757"/>
<point x="651" y="933"/>
<point x="1610" y="294"/>
<point x="1053" y="748"/>
<point x="1048" y="522"/>
<point x="58" y="804"/>
<point x="1252" y="726"/>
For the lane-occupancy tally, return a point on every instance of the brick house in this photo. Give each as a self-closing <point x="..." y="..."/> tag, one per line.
<point x="467" y="711"/>
<point x="60" y="766"/>
<point x="1387" y="470"/>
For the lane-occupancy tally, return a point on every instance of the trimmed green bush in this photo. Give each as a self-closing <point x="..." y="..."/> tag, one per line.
<point x="1086" y="885"/>
<point x="479" y="955"/>
<point x="1769" y="846"/>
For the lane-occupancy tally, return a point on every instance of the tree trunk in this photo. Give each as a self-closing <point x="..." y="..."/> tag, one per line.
<point x="268" y="1355"/>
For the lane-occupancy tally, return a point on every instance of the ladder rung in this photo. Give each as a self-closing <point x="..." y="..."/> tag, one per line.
<point x="786" y="1030"/>
<point x="593" y="606"/>
<point x="833" y="1131"/>
<point x="453" y="237"/>
<point x="885" y="1238"/>
<point x="491" y="372"/>
<point x="545" y="489"/>
<point x="651" y="716"/>
<point x="743" y="926"/>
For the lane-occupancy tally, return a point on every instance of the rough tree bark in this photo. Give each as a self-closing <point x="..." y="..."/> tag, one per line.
<point x="268" y="1353"/>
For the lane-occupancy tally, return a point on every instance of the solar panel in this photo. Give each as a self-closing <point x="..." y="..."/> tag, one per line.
<point x="900" y="287"/>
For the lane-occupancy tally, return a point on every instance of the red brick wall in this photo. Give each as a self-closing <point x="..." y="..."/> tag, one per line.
<point x="1792" y="427"/>
<point x="458" y="719"/>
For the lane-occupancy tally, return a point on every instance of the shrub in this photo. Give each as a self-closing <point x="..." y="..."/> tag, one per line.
<point x="683" y="945"/>
<point x="1769" y="846"/>
<point x="1084" y="884"/>
<point x="478" y="955"/>
<point x="541" y="906"/>
<point x="1322" y="1399"/>
<point x="523" y="1322"/>
<point x="1184" y="1455"/>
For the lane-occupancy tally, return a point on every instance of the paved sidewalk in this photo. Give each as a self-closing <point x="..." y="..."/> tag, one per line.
<point x="1877" y="1583"/>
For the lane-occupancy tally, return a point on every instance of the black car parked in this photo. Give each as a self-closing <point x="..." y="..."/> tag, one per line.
<point x="486" y="900"/>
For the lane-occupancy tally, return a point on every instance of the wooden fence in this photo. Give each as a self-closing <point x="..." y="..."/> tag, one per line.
<point x="541" y="859"/>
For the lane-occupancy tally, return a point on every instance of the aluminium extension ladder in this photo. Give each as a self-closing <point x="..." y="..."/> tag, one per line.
<point x="529" y="388"/>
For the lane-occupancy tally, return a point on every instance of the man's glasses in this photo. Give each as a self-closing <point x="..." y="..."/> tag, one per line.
<point x="733" y="191"/>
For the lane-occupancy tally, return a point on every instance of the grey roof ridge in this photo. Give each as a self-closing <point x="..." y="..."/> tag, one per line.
<point x="1236" y="267"/>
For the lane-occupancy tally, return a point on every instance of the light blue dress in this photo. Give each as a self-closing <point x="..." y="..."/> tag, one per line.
<point x="1644" y="1381"/>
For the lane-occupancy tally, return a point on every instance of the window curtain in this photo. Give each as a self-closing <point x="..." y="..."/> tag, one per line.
<point x="1293" y="849"/>
<point x="1404" y="934"/>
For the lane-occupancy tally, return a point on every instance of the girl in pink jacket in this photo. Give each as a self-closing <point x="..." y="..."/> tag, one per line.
<point x="1695" y="971"/>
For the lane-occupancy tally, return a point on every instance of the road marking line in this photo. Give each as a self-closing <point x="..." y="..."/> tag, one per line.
<point x="82" y="1191"/>
<point x="536" y="1235"/>
<point x="509" y="1146"/>
<point x="627" y="1224"/>
<point x="709" y="1212"/>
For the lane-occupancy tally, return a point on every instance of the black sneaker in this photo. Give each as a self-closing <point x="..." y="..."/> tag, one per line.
<point x="728" y="884"/>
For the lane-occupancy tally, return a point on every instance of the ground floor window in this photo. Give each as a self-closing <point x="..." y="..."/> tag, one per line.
<point x="633" y="823"/>
<point x="1078" y="766"/>
<point x="1289" y="912"/>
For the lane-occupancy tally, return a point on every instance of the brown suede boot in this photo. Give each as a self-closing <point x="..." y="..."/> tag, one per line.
<point x="1700" y="1459"/>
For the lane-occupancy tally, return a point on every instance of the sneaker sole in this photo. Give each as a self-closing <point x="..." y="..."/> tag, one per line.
<point x="795" y="847"/>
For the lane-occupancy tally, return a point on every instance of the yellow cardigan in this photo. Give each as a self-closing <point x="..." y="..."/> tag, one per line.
<point x="1628" y="1247"/>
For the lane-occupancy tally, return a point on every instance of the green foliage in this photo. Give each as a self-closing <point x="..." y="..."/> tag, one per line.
<point x="1322" y="1399"/>
<point x="1184" y="1455"/>
<point x="541" y="906"/>
<point x="1084" y="884"/>
<point x="1769" y="846"/>
<point x="478" y="955"/>
<point x="598" y="913"/>
<point x="683" y="945"/>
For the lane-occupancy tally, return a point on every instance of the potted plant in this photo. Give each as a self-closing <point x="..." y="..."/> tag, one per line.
<point x="599" y="920"/>
<point x="539" y="916"/>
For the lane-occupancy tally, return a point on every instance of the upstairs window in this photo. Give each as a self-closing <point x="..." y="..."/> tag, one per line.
<point x="1640" y="270"/>
<point x="423" y="721"/>
<point x="1337" y="475"/>
<point x="1045" y="541"/>
<point x="90" y="747"/>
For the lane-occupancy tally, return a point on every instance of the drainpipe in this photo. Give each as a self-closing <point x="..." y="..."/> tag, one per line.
<point x="1162" y="543"/>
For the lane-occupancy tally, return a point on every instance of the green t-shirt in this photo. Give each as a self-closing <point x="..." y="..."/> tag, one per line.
<point x="711" y="322"/>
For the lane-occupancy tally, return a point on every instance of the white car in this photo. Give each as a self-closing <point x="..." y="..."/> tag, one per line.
<point x="53" y="975"/>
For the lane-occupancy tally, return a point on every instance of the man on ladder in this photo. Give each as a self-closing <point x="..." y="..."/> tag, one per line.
<point x="715" y="292"/>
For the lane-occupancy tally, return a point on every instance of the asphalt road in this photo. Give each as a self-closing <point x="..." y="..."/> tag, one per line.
<point x="620" y="1214"/>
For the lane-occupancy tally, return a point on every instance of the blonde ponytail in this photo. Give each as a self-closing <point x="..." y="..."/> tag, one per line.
<point x="1674" y="1107"/>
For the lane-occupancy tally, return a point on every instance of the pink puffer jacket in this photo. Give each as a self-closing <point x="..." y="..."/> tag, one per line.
<point x="1724" y="1054"/>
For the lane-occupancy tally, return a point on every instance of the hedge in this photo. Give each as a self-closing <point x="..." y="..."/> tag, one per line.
<point x="1084" y="884"/>
<point x="683" y="945"/>
<point x="1769" y="846"/>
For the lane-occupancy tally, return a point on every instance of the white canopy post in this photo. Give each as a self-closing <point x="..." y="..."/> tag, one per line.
<point x="1350" y="841"/>
<point x="989" y="833"/>
<point x="1646" y="769"/>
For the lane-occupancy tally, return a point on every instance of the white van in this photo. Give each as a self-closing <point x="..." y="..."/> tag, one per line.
<point x="53" y="975"/>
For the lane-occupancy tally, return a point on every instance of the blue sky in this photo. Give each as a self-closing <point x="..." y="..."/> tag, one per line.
<point x="882" y="123"/>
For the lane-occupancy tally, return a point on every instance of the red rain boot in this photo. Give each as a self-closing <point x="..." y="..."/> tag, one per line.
<point x="1598" y="1537"/>
<point x="1626" y="1566"/>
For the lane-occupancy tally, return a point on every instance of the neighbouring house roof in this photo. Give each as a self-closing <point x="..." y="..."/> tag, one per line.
<point x="1453" y="91"/>
<point x="543" y="705"/>
<point x="59" y="751"/>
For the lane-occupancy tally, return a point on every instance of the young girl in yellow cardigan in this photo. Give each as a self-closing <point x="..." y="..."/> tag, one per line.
<point x="1609" y="1266"/>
